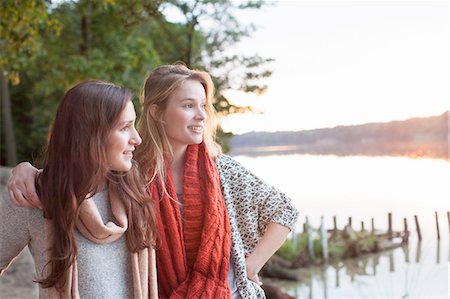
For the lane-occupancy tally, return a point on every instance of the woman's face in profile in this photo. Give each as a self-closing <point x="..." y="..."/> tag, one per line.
<point x="185" y="116"/>
<point x="122" y="140"/>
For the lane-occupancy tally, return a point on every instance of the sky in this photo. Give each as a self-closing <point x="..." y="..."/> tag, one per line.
<point x="346" y="62"/>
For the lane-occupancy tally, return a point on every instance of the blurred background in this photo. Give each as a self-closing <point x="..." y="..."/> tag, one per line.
<point x="343" y="105"/>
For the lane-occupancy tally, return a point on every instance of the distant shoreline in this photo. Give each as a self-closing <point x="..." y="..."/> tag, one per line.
<point x="426" y="137"/>
<point x="415" y="153"/>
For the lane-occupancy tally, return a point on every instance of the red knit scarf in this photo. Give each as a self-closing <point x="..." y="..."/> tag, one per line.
<point x="193" y="258"/>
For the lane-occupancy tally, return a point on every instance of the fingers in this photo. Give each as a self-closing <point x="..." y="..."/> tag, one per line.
<point x="17" y="198"/>
<point x="252" y="269"/>
<point x="31" y="194"/>
<point x="22" y="193"/>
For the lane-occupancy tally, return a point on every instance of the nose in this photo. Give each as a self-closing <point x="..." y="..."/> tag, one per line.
<point x="135" y="138"/>
<point x="201" y="115"/>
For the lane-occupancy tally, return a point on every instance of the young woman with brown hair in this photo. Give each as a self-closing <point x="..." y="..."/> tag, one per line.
<point x="95" y="235"/>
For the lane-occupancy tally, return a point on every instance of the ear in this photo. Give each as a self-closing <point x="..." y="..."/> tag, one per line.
<point x="154" y="110"/>
<point x="154" y="113"/>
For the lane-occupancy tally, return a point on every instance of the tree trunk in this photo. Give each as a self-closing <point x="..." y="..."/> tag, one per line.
<point x="190" y="42"/>
<point x="10" y="142"/>
<point x="85" y="30"/>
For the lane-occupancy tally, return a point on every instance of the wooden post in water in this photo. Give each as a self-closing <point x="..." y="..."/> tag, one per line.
<point x="437" y="225"/>
<point x="390" y="225"/>
<point x="373" y="226"/>
<point x="419" y="235"/>
<point x="405" y="231"/>
<point x="310" y="239"/>
<point x="335" y="225"/>
<point x="362" y="226"/>
<point x="294" y="238"/>
<point x="324" y="239"/>
<point x="448" y="218"/>
<point x="350" y="222"/>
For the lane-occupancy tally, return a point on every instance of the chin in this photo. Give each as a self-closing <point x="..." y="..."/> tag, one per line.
<point x="198" y="141"/>
<point x="123" y="168"/>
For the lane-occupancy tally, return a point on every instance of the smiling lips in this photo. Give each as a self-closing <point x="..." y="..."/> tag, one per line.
<point x="129" y="153"/>
<point x="196" y="129"/>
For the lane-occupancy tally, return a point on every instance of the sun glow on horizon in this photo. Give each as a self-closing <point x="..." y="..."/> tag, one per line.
<point x="347" y="63"/>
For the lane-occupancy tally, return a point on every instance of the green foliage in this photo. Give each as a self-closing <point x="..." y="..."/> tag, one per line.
<point x="50" y="47"/>
<point x="290" y="249"/>
<point x="21" y="24"/>
<point x="223" y="138"/>
<point x="210" y="27"/>
<point x="340" y="246"/>
<point x="287" y="250"/>
<point x="90" y="46"/>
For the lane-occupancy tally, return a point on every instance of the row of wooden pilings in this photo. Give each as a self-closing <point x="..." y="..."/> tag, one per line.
<point x="405" y="234"/>
<point x="416" y="220"/>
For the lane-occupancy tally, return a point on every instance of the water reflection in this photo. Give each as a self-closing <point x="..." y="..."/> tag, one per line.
<point x="418" y="250"/>
<point x="405" y="249"/>
<point x="371" y="276"/>
<point x="367" y="189"/>
<point x="438" y="251"/>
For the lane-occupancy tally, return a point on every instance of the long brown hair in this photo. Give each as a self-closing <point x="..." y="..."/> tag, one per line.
<point x="76" y="167"/>
<point x="158" y="87"/>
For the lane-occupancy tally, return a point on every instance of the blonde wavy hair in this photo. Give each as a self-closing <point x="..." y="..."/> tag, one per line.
<point x="158" y="87"/>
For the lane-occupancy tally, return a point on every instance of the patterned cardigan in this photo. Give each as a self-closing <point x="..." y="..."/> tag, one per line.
<point x="252" y="205"/>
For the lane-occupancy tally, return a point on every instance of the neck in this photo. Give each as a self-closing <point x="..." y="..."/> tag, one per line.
<point x="177" y="167"/>
<point x="178" y="155"/>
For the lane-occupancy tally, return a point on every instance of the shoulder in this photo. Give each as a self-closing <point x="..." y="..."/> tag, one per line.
<point x="15" y="225"/>
<point x="235" y="174"/>
<point x="225" y="162"/>
<point x="9" y="211"/>
<point x="12" y="215"/>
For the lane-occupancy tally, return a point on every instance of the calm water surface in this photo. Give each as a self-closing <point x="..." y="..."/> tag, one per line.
<point x="365" y="188"/>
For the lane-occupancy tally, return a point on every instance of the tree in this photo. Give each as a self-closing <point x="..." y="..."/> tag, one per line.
<point x="21" y="23"/>
<point x="201" y="39"/>
<point x="91" y="45"/>
<point x="121" y="41"/>
<point x="209" y="28"/>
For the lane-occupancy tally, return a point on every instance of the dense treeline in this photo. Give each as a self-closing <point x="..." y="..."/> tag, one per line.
<point x="46" y="47"/>
<point x="420" y="137"/>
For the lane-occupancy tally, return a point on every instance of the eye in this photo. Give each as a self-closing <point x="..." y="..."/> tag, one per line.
<point x="188" y="105"/>
<point x="203" y="106"/>
<point x="126" y="128"/>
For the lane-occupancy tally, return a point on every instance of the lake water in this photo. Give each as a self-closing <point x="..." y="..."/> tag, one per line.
<point x="364" y="188"/>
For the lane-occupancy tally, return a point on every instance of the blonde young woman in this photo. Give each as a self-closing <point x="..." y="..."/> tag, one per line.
<point x="93" y="238"/>
<point x="217" y="223"/>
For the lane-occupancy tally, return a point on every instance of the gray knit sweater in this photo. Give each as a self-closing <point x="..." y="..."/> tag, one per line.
<point x="104" y="271"/>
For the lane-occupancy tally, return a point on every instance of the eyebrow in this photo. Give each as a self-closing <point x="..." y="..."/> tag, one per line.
<point x="126" y="122"/>
<point x="192" y="100"/>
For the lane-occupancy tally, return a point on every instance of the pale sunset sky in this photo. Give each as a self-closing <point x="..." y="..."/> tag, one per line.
<point x="347" y="62"/>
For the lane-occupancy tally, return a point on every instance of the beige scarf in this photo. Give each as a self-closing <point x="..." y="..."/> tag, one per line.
<point x="91" y="226"/>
